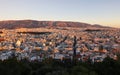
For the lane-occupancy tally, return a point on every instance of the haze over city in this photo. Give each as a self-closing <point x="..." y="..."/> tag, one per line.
<point x="103" y="12"/>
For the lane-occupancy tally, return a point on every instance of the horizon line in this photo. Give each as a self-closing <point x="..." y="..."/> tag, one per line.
<point x="59" y="21"/>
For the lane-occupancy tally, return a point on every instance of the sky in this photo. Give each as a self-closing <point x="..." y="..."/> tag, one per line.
<point x="104" y="12"/>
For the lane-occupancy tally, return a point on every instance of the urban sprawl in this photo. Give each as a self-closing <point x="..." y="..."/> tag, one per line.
<point x="59" y="44"/>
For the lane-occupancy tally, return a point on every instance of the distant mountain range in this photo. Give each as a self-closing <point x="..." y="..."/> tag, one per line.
<point x="12" y="24"/>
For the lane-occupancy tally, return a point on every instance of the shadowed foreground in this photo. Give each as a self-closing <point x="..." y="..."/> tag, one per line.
<point x="55" y="67"/>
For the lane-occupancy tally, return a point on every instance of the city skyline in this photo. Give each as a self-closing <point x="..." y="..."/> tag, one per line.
<point x="104" y="12"/>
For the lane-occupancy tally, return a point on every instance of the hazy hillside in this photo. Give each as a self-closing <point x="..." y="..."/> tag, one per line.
<point x="35" y="24"/>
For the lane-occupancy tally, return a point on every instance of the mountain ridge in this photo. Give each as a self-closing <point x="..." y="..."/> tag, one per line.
<point x="12" y="24"/>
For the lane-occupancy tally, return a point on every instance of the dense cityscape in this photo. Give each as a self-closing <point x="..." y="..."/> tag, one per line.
<point x="60" y="43"/>
<point x="60" y="51"/>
